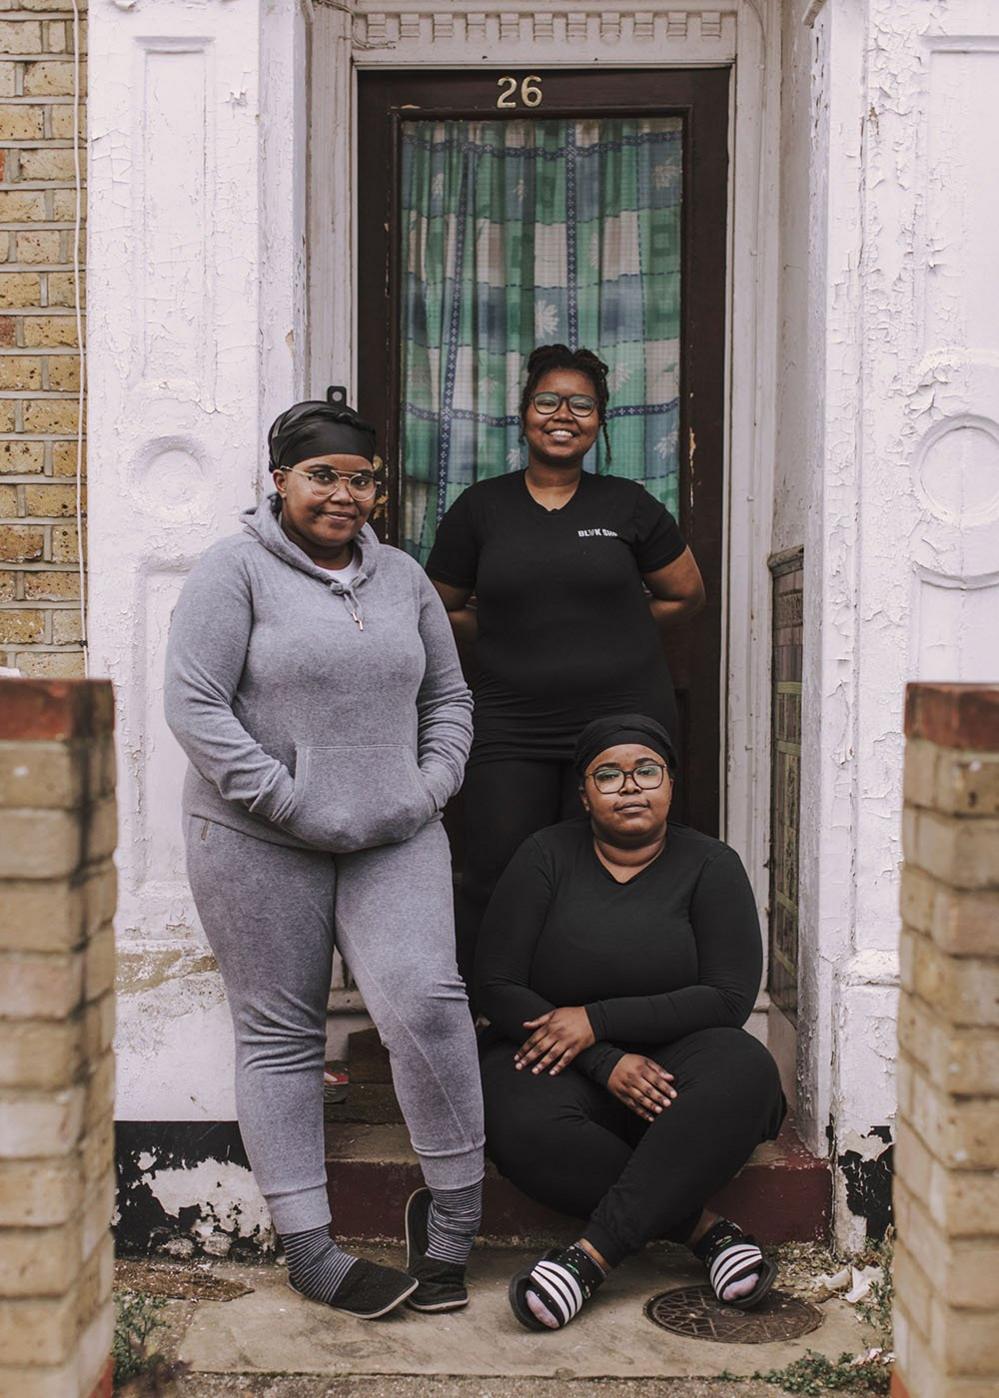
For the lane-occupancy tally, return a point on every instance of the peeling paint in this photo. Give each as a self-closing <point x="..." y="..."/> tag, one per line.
<point x="157" y="967"/>
<point x="174" y="1036"/>
<point x="866" y="1168"/>
<point x="223" y="1192"/>
<point x="186" y="1188"/>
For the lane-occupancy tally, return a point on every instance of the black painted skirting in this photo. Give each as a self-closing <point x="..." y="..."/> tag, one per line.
<point x="144" y="1147"/>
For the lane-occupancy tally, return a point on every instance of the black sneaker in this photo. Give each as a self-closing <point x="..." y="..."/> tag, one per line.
<point x="441" y="1284"/>
<point x="368" y="1291"/>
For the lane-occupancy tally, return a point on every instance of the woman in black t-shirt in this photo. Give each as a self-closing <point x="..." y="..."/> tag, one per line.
<point x="575" y="576"/>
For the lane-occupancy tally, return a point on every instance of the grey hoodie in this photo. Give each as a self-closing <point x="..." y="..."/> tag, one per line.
<point x="314" y="714"/>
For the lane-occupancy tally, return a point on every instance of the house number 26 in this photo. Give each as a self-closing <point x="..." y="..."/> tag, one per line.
<point x="530" y="91"/>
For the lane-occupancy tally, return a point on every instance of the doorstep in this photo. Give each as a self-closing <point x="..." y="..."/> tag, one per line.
<point x="783" y="1194"/>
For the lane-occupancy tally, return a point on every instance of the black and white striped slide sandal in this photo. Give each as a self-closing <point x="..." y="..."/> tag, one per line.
<point x="563" y="1280"/>
<point x="731" y="1256"/>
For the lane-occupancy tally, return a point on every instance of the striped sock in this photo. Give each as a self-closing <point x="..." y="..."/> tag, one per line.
<point x="733" y="1259"/>
<point x="736" y="1270"/>
<point x="452" y="1223"/>
<point x="316" y="1266"/>
<point x="559" y="1284"/>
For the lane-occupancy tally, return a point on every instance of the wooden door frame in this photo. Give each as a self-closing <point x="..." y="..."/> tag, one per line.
<point x="346" y="39"/>
<point x="388" y="98"/>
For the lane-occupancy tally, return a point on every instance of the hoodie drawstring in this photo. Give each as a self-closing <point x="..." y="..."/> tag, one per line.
<point x="352" y="605"/>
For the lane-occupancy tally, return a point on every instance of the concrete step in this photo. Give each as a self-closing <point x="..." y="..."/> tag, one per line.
<point x="783" y="1194"/>
<point x="367" y="1057"/>
<point x="367" y="1103"/>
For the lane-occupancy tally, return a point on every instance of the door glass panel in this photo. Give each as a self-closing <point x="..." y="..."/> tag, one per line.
<point x="517" y="233"/>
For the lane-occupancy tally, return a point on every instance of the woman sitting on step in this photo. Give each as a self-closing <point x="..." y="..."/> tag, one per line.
<point x="619" y="960"/>
<point x="313" y="682"/>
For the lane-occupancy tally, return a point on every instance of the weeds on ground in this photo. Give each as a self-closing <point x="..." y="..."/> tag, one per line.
<point x="875" y="1309"/>
<point x="814" y="1375"/>
<point x="140" y="1371"/>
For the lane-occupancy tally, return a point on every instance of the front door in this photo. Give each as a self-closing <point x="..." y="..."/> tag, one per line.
<point x="499" y="211"/>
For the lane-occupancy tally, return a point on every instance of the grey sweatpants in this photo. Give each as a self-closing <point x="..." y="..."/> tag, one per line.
<point x="273" y="916"/>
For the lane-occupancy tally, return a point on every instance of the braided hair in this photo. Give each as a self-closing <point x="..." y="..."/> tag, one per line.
<point x="545" y="358"/>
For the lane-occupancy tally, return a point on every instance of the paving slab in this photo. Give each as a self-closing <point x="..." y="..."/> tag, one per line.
<point x="273" y="1331"/>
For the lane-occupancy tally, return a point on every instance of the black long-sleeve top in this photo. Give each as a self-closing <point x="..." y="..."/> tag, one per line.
<point x="675" y="949"/>
<point x="564" y="628"/>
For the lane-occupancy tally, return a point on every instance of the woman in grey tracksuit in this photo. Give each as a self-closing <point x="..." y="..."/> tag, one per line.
<point x="313" y="683"/>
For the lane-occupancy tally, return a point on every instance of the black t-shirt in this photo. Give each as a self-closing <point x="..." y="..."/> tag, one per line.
<point x="565" y="631"/>
<point x="674" y="950"/>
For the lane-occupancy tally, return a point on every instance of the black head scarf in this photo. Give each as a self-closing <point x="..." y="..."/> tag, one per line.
<point x="615" y="729"/>
<point x="320" y="429"/>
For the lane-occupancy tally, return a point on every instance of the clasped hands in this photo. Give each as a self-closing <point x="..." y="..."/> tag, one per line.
<point x="559" y="1035"/>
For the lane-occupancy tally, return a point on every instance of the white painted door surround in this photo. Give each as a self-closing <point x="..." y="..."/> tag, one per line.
<point x="205" y="198"/>
<point x="741" y="33"/>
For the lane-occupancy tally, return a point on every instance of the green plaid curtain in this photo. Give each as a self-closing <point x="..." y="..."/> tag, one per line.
<point x="522" y="233"/>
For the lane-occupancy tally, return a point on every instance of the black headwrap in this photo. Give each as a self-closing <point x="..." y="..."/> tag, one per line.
<point x="615" y="729"/>
<point x="320" y="429"/>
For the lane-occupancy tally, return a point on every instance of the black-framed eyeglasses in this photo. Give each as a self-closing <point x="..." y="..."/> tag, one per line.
<point x="323" y="480"/>
<point x="647" y="776"/>
<point x="579" y="404"/>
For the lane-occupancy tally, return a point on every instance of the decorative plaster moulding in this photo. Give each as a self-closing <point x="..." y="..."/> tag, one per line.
<point x="398" y="35"/>
<point x="812" y="11"/>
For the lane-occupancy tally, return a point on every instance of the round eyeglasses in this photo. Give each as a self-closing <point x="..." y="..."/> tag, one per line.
<point x="647" y="776"/>
<point x="579" y="404"/>
<point x="323" y="480"/>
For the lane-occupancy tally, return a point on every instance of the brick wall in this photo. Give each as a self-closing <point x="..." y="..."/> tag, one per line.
<point x="39" y="358"/>
<point x="947" y="1152"/>
<point x="57" y="899"/>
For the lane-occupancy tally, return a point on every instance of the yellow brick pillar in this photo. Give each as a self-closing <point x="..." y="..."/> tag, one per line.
<point x="57" y="900"/>
<point x="947" y="1152"/>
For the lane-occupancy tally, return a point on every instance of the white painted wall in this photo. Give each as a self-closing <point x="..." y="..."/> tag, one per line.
<point x="887" y="458"/>
<point x="195" y="291"/>
<point x="201" y="172"/>
<point x="902" y="544"/>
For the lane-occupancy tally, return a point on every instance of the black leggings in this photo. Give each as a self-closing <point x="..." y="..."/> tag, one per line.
<point x="570" y="1144"/>
<point x="505" y="801"/>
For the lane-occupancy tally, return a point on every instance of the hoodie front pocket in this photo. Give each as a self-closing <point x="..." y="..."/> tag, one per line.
<point x="350" y="798"/>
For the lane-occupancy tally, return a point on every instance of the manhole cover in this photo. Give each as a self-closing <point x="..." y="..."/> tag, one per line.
<point x="693" y="1310"/>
